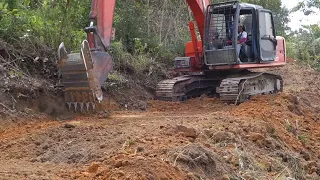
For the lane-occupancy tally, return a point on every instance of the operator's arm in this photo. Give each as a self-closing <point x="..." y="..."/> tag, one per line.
<point x="244" y="37"/>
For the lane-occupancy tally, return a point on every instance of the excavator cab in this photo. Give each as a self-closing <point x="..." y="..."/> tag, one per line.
<point x="221" y="38"/>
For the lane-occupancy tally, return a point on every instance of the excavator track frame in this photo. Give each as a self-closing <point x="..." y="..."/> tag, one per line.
<point x="186" y="87"/>
<point x="239" y="89"/>
<point x="234" y="89"/>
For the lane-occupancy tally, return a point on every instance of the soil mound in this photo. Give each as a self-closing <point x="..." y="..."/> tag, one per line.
<point x="202" y="162"/>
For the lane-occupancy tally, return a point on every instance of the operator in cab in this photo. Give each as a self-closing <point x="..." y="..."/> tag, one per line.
<point x="242" y="38"/>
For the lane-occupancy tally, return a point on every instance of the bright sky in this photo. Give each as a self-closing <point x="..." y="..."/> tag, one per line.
<point x="298" y="18"/>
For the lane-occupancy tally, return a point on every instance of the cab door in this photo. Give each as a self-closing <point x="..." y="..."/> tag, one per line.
<point x="266" y="36"/>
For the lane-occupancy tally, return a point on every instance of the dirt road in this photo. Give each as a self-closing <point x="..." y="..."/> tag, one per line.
<point x="268" y="137"/>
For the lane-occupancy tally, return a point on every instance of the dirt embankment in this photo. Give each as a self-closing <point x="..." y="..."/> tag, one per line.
<point x="268" y="137"/>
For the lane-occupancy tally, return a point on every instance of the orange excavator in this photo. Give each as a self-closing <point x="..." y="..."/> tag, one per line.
<point x="217" y="64"/>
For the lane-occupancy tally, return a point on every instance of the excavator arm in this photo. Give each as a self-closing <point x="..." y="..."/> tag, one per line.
<point x="84" y="73"/>
<point x="102" y="12"/>
<point x="198" y="8"/>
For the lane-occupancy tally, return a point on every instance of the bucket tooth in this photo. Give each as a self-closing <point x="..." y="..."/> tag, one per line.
<point x="69" y="105"/>
<point x="88" y="106"/>
<point x="81" y="107"/>
<point x="93" y="106"/>
<point x="75" y="106"/>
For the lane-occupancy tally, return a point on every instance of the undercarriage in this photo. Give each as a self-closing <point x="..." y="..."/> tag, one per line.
<point x="235" y="88"/>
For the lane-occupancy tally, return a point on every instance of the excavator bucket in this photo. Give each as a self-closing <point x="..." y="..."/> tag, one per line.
<point x="83" y="74"/>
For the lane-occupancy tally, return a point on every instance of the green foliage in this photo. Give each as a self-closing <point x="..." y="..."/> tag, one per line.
<point x="306" y="41"/>
<point x="281" y="14"/>
<point x="303" y="138"/>
<point x="129" y="21"/>
<point x="50" y="21"/>
<point x="139" y="47"/>
<point x="307" y="6"/>
<point x="158" y="28"/>
<point x="291" y="49"/>
<point x="290" y="128"/>
<point x="304" y="45"/>
<point x="124" y="61"/>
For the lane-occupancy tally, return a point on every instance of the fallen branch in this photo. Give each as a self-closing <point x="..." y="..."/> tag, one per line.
<point x="12" y="111"/>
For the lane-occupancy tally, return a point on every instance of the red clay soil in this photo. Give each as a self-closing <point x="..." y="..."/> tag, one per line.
<point x="268" y="137"/>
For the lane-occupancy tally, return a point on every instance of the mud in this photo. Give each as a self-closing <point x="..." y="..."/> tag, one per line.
<point x="268" y="137"/>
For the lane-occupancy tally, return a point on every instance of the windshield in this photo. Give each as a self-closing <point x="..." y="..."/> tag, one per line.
<point x="246" y="20"/>
<point x="218" y="28"/>
<point x="266" y="27"/>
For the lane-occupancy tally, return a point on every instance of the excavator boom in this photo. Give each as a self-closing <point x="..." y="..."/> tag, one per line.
<point x="103" y="11"/>
<point x="198" y="8"/>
